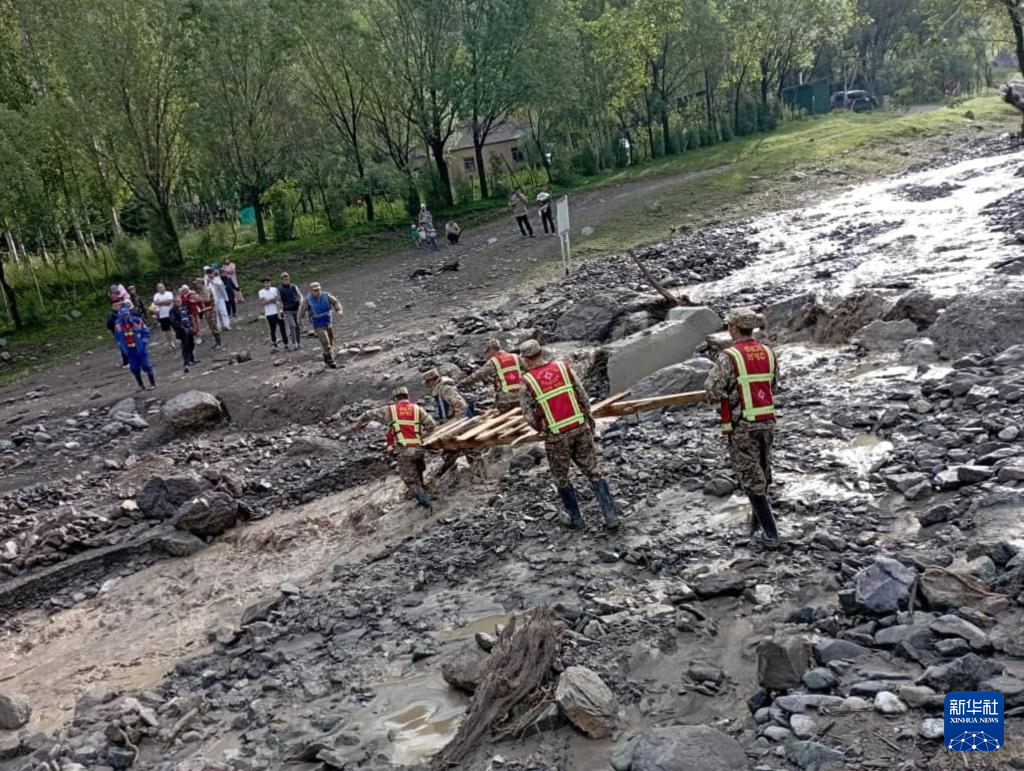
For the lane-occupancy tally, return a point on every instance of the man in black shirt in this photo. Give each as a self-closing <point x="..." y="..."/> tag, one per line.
<point x="291" y="299"/>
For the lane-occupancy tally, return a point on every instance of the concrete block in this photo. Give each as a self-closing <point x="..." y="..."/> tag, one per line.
<point x="672" y="341"/>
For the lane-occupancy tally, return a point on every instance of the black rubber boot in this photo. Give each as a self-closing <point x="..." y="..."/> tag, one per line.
<point x="763" y="510"/>
<point x="608" y="509"/>
<point x="138" y="379"/>
<point x="572" y="506"/>
<point x="421" y="496"/>
<point x="329" y="361"/>
<point x="753" y="520"/>
<point x="152" y="379"/>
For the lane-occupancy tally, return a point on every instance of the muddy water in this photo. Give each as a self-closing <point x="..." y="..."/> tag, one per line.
<point x="138" y="626"/>
<point x="943" y="244"/>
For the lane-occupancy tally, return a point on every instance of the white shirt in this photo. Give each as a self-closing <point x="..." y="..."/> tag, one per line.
<point x="220" y="292"/>
<point x="270" y="309"/>
<point x="163" y="311"/>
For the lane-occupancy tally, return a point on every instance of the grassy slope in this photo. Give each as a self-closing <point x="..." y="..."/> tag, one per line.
<point x="746" y="175"/>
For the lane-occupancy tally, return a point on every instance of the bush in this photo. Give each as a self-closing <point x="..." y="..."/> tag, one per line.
<point x="412" y="200"/>
<point x="336" y="208"/>
<point x="283" y="198"/>
<point x="213" y="240"/>
<point x="464" y="190"/>
<point x="430" y="183"/>
<point x="585" y="162"/>
<point x="727" y="134"/>
<point x="127" y="257"/>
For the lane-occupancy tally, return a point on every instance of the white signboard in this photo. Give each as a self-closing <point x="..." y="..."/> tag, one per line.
<point x="562" y="215"/>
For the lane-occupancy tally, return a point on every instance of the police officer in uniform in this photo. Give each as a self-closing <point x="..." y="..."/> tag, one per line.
<point x="741" y="385"/>
<point x="554" y="403"/>
<point x="505" y="371"/>
<point x="408" y="424"/>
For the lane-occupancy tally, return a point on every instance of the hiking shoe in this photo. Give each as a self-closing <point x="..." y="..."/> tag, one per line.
<point x="761" y="541"/>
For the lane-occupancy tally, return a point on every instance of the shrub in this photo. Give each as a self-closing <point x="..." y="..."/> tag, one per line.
<point x="585" y="162"/>
<point x="283" y="198"/>
<point x="127" y="257"/>
<point x="464" y="190"/>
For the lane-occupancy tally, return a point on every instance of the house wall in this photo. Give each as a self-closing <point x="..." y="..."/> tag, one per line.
<point x="457" y="158"/>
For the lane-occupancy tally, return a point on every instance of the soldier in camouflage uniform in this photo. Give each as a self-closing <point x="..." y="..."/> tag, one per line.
<point x="506" y="393"/>
<point x="568" y="433"/>
<point x="452" y="405"/>
<point x="741" y="385"/>
<point x="410" y="456"/>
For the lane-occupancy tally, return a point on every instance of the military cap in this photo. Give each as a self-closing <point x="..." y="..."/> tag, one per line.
<point x="431" y="375"/>
<point x="399" y="391"/>
<point x="492" y="345"/>
<point x="530" y="349"/>
<point x="745" y="318"/>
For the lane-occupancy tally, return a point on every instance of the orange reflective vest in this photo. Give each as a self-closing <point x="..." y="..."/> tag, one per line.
<point x="510" y="372"/>
<point x="552" y="387"/>
<point x="404" y="423"/>
<point x="753" y="364"/>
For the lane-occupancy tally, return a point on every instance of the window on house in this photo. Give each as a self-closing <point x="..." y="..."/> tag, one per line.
<point x="469" y="165"/>
<point x="517" y="155"/>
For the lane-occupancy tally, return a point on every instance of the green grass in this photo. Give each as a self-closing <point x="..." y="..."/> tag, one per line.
<point x="738" y="178"/>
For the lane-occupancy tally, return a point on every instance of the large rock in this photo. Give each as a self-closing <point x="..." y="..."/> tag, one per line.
<point x="883" y="586"/>
<point x="851" y="313"/>
<point x="944" y="589"/>
<point x="586" y="701"/>
<point x="466" y="668"/>
<point x="980" y="321"/>
<point x="588" y="319"/>
<point x="781" y="662"/>
<point x="208" y="515"/>
<point x="632" y="359"/>
<point x="919" y="306"/>
<point x="14" y="711"/>
<point x="193" y="409"/>
<point x="885" y="335"/>
<point x="162" y="495"/>
<point x="687" y="748"/>
<point x="675" y="378"/>
<point x="963" y="674"/>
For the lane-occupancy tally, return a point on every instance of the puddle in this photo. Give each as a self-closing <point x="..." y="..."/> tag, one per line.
<point x="864" y="453"/>
<point x="481" y="624"/>
<point x="420" y="714"/>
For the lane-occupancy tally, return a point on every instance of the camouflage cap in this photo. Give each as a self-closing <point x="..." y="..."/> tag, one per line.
<point x="745" y="318"/>
<point x="492" y="344"/>
<point x="399" y="391"/>
<point x="431" y="375"/>
<point x="530" y="349"/>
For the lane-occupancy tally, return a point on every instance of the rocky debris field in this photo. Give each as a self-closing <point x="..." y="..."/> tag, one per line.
<point x="899" y="489"/>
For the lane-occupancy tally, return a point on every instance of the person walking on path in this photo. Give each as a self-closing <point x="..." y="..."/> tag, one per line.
<point x="555" y="404"/>
<point x="408" y="424"/>
<point x="452" y="405"/>
<point x="190" y="301"/>
<point x="320" y="306"/>
<point x="208" y="304"/>
<point x="133" y="338"/>
<point x="220" y="296"/>
<point x="291" y="300"/>
<point x="181" y="322"/>
<point x="504" y="370"/>
<point x="544" y="209"/>
<point x="452" y="231"/>
<point x="521" y="212"/>
<point x="112" y="316"/>
<point x="229" y="274"/>
<point x="270" y="299"/>
<point x="163" y="300"/>
<point x="741" y="386"/>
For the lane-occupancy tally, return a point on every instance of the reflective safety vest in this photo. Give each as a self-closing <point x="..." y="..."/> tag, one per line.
<point x="754" y="366"/>
<point x="319" y="310"/>
<point x="552" y="387"/>
<point x="510" y="372"/>
<point x="404" y="423"/>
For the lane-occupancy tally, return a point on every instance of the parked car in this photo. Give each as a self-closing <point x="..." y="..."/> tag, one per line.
<point x="857" y="101"/>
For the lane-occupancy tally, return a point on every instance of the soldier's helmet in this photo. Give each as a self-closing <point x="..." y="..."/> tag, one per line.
<point x="399" y="392"/>
<point x="745" y="318"/>
<point x="530" y="349"/>
<point x="492" y="345"/>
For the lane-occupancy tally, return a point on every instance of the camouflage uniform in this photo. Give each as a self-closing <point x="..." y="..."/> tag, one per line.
<point x="750" y="442"/>
<point x="444" y="388"/>
<point x="209" y="307"/>
<point x="573" y="446"/>
<point x="503" y="401"/>
<point x="411" y="461"/>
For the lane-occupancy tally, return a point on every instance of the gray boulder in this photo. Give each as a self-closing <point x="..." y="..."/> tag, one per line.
<point x="123" y="411"/>
<point x="209" y="514"/>
<point x="884" y="335"/>
<point x="920" y="350"/>
<point x="675" y="378"/>
<point x="962" y="674"/>
<point x="466" y="669"/>
<point x="980" y="321"/>
<point x="884" y="585"/>
<point x="162" y="495"/>
<point x="588" y="319"/>
<point x="919" y="306"/>
<point x="687" y="748"/>
<point x="586" y="701"/>
<point x="781" y="662"/>
<point x="14" y="711"/>
<point x="193" y="409"/>
<point x="178" y="543"/>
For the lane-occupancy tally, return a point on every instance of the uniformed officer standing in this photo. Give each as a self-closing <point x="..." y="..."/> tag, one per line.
<point x="408" y="424"/>
<point x="741" y="385"/>
<point x="554" y="403"/>
<point x="505" y="371"/>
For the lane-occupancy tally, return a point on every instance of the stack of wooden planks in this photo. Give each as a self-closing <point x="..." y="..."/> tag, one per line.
<point x="493" y="429"/>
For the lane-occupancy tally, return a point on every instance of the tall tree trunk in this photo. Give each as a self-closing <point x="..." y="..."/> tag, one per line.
<point x="479" y="137"/>
<point x="172" y="257"/>
<point x="8" y="290"/>
<point x="444" y="178"/>
<point x="1018" y="35"/>
<point x="261" y="227"/>
<point x="11" y="246"/>
<point x="115" y="222"/>
<point x="765" y="86"/>
<point x="736" y="102"/>
<point x="709" y="102"/>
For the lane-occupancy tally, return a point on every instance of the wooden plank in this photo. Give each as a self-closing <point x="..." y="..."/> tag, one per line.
<point x="597" y="406"/>
<point x="483" y="425"/>
<point x="451" y="427"/>
<point x="654" y="403"/>
<point x="515" y="418"/>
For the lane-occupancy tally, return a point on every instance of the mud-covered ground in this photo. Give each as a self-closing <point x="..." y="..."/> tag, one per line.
<point x="315" y="631"/>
